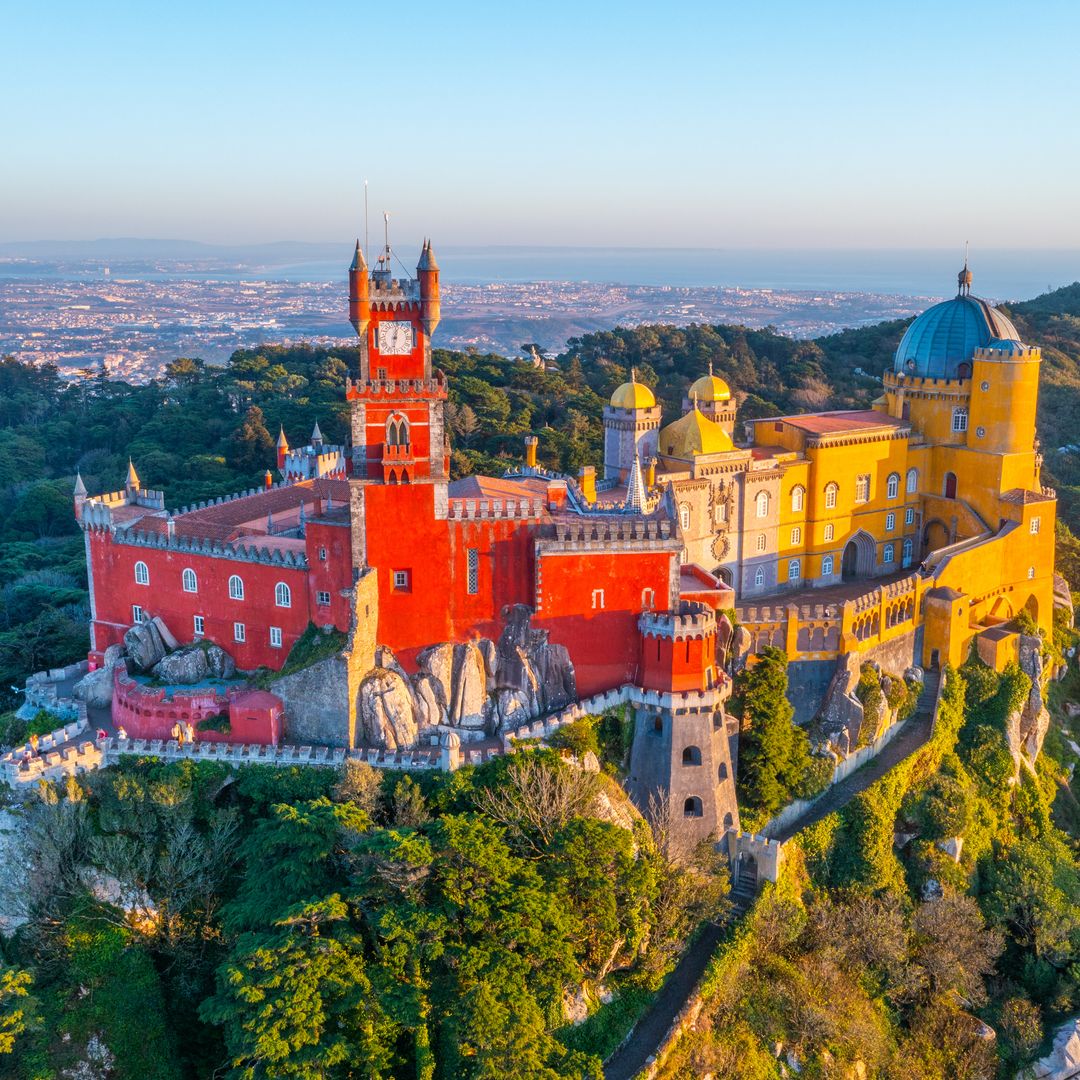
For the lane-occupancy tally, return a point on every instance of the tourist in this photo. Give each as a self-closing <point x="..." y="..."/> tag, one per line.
<point x="177" y="734"/>
<point x="121" y="733"/>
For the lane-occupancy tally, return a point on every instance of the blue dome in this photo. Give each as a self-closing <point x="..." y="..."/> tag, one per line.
<point x="945" y="336"/>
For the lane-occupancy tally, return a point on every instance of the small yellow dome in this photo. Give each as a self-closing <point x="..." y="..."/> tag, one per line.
<point x="633" y="395"/>
<point x="710" y="388"/>
<point x="694" y="434"/>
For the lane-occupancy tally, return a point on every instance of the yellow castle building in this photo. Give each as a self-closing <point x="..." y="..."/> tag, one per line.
<point x="921" y="521"/>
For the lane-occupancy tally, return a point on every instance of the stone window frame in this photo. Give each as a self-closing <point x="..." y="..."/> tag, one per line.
<point x="862" y="488"/>
<point x="888" y="554"/>
<point x="598" y="599"/>
<point x="693" y="807"/>
<point x="909" y="516"/>
<point x="759" y="576"/>
<point x="796" y="534"/>
<point x="912" y="481"/>
<point x="691" y="755"/>
<point x="830" y="531"/>
<point x="762" y="543"/>
<point x="890" y="521"/>
<point x="761" y="504"/>
<point x="892" y="486"/>
<point x="648" y="599"/>
<point x="798" y="498"/>
<point x="832" y="494"/>
<point x="959" y="420"/>
<point x="684" y="515"/>
<point x="827" y="566"/>
<point x="794" y="570"/>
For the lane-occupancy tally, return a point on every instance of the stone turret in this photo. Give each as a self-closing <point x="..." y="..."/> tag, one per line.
<point x="359" y="293"/>
<point x="427" y="272"/>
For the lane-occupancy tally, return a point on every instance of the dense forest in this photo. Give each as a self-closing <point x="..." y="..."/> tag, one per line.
<point x="201" y="431"/>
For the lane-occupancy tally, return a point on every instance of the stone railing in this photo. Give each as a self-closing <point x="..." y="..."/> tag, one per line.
<point x="23" y="765"/>
<point x="494" y="509"/>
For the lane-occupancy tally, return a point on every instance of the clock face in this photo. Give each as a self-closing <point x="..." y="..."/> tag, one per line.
<point x="395" y="338"/>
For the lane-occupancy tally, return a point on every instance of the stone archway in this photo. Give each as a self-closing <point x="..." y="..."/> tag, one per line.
<point x="935" y="536"/>
<point x="860" y="557"/>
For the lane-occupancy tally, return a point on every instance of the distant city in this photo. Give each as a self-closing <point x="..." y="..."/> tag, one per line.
<point x="127" y="308"/>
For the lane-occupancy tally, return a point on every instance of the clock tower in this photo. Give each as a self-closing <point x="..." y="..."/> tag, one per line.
<point x="398" y="401"/>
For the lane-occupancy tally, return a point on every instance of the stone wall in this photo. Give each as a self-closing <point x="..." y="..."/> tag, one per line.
<point x="808" y="680"/>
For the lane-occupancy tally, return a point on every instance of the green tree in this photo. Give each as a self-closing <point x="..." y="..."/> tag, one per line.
<point x="252" y="448"/>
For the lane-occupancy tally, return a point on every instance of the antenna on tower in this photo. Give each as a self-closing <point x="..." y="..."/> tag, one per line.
<point x="386" y="233"/>
<point x="367" y="237"/>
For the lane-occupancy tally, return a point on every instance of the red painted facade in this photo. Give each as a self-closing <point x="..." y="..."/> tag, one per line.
<point x="450" y="557"/>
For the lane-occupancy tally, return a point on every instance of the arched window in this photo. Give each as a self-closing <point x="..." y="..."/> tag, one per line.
<point x="691" y="755"/>
<point x="692" y="807"/>
<point x="759" y="576"/>
<point x="761" y="542"/>
<point x="190" y="581"/>
<point x="762" y="503"/>
<point x="796" y="535"/>
<point x="908" y="549"/>
<point x="831" y="492"/>
<point x="397" y="432"/>
<point x="236" y="587"/>
<point x="892" y="487"/>
<point x="888" y="553"/>
<point x="959" y="420"/>
<point x="798" y="495"/>
<point x="794" y="569"/>
<point x="721" y="772"/>
<point x="826" y="566"/>
<point x="830" y="531"/>
<point x="142" y="574"/>
<point x="912" y="481"/>
<point x="282" y="595"/>
<point x="684" y="516"/>
<point x="658" y="725"/>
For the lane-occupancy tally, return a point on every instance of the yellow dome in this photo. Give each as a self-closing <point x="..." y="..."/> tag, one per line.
<point x="694" y="434"/>
<point x="710" y="388"/>
<point x="633" y="395"/>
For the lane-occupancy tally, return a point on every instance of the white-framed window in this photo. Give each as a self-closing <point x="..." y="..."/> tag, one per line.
<point x="236" y="587"/>
<point x="322" y="554"/>
<point x="199" y="625"/>
<point x="959" y="420"/>
<point x="137" y="614"/>
<point x="322" y="598"/>
<point x="890" y="522"/>
<point x="798" y="497"/>
<point x="721" y="511"/>
<point x="830" y="531"/>
<point x="762" y="504"/>
<point x="888" y="553"/>
<point x="1031" y="573"/>
<point x="1035" y="526"/>
<point x="648" y="599"/>
<point x="239" y="632"/>
<point x="909" y="516"/>
<point x="794" y="569"/>
<point x="761" y="542"/>
<point x="472" y="571"/>
<point x="912" y="481"/>
<point x="826" y="566"/>
<point x="282" y="595"/>
<point x="908" y="551"/>
<point x="832" y="490"/>
<point x="401" y="580"/>
<point x="598" y="599"/>
<point x="759" y="576"/>
<point x="862" y="488"/>
<point x="796" y="535"/>
<point x="189" y="580"/>
<point x="142" y="573"/>
<point x="684" y="516"/>
<point x="892" y="486"/>
<point x="275" y="637"/>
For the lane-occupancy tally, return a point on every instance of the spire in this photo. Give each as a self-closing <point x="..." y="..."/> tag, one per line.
<point x="132" y="477"/>
<point x="270" y="523"/>
<point x="282" y="442"/>
<point x="635" y="489"/>
<point x="693" y="398"/>
<point x="710" y="366"/>
<point x="633" y="375"/>
<point x="358" y="261"/>
<point x="963" y="279"/>
<point x="316" y="435"/>
<point x="80" y="487"/>
<point x="427" y="258"/>
<point x="302" y="520"/>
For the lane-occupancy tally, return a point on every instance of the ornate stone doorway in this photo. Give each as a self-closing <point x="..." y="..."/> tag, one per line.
<point x="860" y="557"/>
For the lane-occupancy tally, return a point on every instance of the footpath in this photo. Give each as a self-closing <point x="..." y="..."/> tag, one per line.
<point x="649" y="1034"/>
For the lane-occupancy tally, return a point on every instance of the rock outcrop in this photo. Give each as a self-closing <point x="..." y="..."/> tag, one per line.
<point x="1063" y="1061"/>
<point x="146" y="645"/>
<point x="96" y="687"/>
<point x="483" y="685"/>
<point x="840" y="718"/>
<point x="184" y="667"/>
<point x="1034" y="720"/>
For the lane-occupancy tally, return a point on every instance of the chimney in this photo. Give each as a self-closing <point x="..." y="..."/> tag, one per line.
<point x="530" y="451"/>
<point x="650" y="473"/>
<point x="587" y="482"/>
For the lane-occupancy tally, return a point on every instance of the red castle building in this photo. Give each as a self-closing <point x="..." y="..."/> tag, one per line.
<point x="443" y="561"/>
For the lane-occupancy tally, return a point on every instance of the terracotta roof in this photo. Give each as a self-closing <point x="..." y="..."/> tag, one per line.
<point x="834" y="423"/>
<point x="498" y="487"/>
<point x="1022" y="496"/>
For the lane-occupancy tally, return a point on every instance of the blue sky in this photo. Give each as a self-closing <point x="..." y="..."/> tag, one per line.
<point x="693" y="124"/>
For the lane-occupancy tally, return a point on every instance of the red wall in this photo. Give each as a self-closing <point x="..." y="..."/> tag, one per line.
<point x="674" y="665"/>
<point x="603" y="643"/>
<point x="332" y="574"/>
<point x="115" y="591"/>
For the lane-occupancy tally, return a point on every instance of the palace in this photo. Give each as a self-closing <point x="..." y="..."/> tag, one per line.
<point x="913" y="527"/>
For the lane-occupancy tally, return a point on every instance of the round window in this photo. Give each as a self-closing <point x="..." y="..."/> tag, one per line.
<point x="980" y="431"/>
<point x="985" y="385"/>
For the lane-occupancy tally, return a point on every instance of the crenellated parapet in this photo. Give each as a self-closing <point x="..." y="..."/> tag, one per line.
<point x="390" y="390"/>
<point x="215" y="549"/>
<point x="494" y="509"/>
<point x="689" y="620"/>
<point x="591" y="532"/>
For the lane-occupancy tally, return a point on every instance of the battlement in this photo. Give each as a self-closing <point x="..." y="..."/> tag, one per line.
<point x="379" y="389"/>
<point x="1015" y="351"/>
<point x="385" y="289"/>
<point x="216" y="549"/>
<point x="689" y="620"/>
<point x="494" y="509"/>
<point x="145" y="497"/>
<point x="600" y="531"/>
